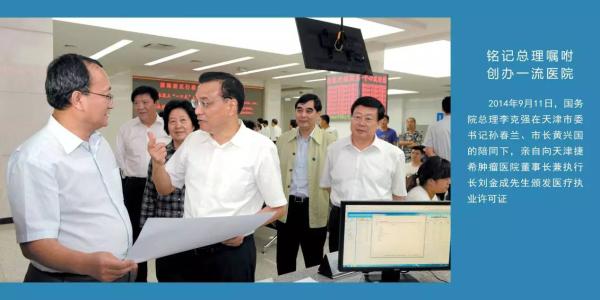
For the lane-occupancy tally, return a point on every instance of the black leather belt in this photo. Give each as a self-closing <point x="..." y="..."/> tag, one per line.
<point x="36" y="275"/>
<point x="297" y="199"/>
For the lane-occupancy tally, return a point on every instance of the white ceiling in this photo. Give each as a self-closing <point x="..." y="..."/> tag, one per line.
<point x="88" y="40"/>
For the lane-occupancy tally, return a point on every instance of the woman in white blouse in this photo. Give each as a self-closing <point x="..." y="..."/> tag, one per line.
<point x="433" y="178"/>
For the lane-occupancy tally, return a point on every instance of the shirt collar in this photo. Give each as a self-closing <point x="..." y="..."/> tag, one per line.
<point x="293" y="136"/>
<point x="69" y="140"/>
<point x="158" y="121"/>
<point x="377" y="143"/>
<point x="316" y="135"/>
<point x="241" y="137"/>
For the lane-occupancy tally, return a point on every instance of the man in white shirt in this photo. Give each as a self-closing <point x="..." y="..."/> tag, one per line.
<point x="227" y="170"/>
<point x="437" y="139"/>
<point x="361" y="166"/>
<point x="324" y="124"/>
<point x="266" y="129"/>
<point x="133" y="158"/>
<point x="64" y="186"/>
<point x="275" y="130"/>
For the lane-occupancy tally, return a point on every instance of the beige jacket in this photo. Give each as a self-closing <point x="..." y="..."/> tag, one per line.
<point x="318" y="204"/>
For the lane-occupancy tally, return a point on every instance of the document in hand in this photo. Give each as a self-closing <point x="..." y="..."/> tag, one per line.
<point x="165" y="236"/>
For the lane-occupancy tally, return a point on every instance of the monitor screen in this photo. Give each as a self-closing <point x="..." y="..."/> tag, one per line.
<point x="394" y="235"/>
<point x="317" y="39"/>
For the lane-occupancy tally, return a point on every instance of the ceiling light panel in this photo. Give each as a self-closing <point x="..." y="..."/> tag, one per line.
<point x="428" y="59"/>
<point x="315" y="80"/>
<point x="267" y="69"/>
<point x="369" y="29"/>
<point x="171" y="57"/>
<point x="299" y="74"/>
<point x="400" y="92"/>
<point x="114" y="47"/>
<point x="229" y="62"/>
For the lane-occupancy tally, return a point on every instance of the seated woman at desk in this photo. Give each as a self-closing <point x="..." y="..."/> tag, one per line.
<point x="180" y="120"/>
<point x="432" y="178"/>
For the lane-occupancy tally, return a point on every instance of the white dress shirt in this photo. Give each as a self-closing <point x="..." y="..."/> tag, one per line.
<point x="410" y="169"/>
<point x="266" y="131"/>
<point x="418" y="193"/>
<point x="333" y="131"/>
<point x="275" y="133"/>
<point x="132" y="146"/>
<point x="375" y="173"/>
<point x="438" y="137"/>
<point x="61" y="187"/>
<point x="232" y="179"/>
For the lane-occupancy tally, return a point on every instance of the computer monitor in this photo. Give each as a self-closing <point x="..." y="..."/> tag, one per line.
<point x="394" y="237"/>
<point x="317" y="39"/>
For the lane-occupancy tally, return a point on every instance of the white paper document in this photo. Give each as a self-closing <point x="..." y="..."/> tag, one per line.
<point x="165" y="236"/>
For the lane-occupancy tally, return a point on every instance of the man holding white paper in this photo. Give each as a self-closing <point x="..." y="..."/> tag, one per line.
<point x="228" y="170"/>
<point x="64" y="186"/>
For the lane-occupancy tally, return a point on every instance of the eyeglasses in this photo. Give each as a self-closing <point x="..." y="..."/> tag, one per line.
<point x="109" y="97"/>
<point x="205" y="104"/>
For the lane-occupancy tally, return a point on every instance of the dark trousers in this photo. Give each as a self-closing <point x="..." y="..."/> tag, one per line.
<point x="171" y="268"/>
<point x="133" y="192"/>
<point x="221" y="263"/>
<point x="333" y="227"/>
<point x="35" y="275"/>
<point x="296" y="233"/>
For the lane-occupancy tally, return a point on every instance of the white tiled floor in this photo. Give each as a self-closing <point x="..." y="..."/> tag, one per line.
<point x="13" y="265"/>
